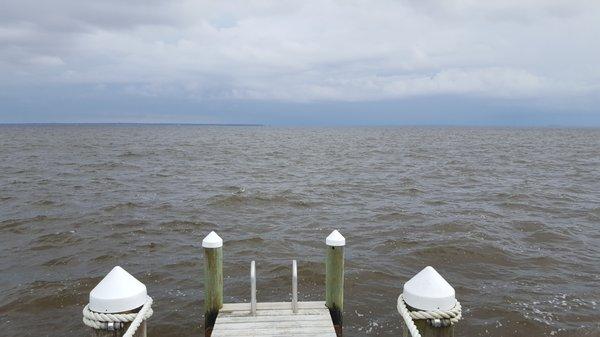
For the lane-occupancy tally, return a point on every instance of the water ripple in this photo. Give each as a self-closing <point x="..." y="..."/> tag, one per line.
<point x="509" y="216"/>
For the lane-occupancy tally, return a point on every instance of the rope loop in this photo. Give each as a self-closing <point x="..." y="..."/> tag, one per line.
<point x="445" y="317"/>
<point x="101" y="321"/>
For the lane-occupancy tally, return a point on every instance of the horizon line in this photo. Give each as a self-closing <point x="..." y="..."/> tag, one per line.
<point x="549" y="126"/>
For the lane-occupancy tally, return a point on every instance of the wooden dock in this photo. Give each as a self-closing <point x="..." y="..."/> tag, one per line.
<point x="270" y="319"/>
<point x="274" y="319"/>
<point x="427" y="305"/>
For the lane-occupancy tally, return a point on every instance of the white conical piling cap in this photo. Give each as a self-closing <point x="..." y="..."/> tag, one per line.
<point x="117" y="292"/>
<point x="429" y="291"/>
<point x="335" y="239"/>
<point x="212" y="240"/>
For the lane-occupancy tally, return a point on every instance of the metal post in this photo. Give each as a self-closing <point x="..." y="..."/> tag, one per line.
<point x="294" y="286"/>
<point x="253" y="288"/>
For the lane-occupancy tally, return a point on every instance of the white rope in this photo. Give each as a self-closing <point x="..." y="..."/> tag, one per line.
<point x="450" y="316"/>
<point x="98" y="320"/>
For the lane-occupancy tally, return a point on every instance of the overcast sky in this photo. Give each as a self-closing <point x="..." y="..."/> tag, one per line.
<point x="525" y="62"/>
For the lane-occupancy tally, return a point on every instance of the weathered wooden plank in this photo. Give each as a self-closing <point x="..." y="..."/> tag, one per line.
<point x="282" y="312"/>
<point x="274" y="331"/>
<point x="249" y="324"/>
<point x="279" y="318"/>
<point x="280" y="333"/>
<point x="274" y="319"/>
<point x="272" y="306"/>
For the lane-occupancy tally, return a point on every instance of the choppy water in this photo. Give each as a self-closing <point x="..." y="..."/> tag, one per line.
<point x="509" y="216"/>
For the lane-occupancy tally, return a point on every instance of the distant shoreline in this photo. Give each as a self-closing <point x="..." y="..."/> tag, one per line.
<point x="305" y="125"/>
<point x="117" y="123"/>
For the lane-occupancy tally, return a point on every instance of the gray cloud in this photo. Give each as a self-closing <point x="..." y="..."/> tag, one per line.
<point x="305" y="51"/>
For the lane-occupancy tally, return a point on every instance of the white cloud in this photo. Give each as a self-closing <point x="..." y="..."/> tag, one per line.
<point x="307" y="50"/>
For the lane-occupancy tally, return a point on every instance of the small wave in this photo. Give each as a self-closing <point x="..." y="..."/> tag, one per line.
<point x="252" y="241"/>
<point x="526" y="207"/>
<point x="435" y="202"/>
<point x="546" y="237"/>
<point x="18" y="225"/>
<point x="41" y="296"/>
<point x="512" y="196"/>
<point x="187" y="226"/>
<point x="259" y="199"/>
<point x="164" y="206"/>
<point x="594" y="213"/>
<point x="456" y="227"/>
<point x="122" y="206"/>
<point x="63" y="260"/>
<point x="104" y="258"/>
<point x="528" y="226"/>
<point x="44" y="202"/>
<point x="466" y="254"/>
<point x="398" y="216"/>
<point x="184" y="264"/>
<point x="413" y="191"/>
<point x="55" y="240"/>
<point x="109" y="166"/>
<point x="129" y="154"/>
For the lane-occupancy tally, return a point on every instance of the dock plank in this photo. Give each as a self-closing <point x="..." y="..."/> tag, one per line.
<point x="274" y="319"/>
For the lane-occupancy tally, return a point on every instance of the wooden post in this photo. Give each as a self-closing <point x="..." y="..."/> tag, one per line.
<point x="334" y="278"/>
<point x="140" y="332"/>
<point x="427" y="330"/>
<point x="213" y="280"/>
<point x="429" y="291"/>
<point x="118" y="292"/>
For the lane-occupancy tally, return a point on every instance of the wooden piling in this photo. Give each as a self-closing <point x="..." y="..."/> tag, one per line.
<point x="427" y="330"/>
<point x="140" y="332"/>
<point x="334" y="279"/>
<point x="118" y="293"/>
<point x="213" y="280"/>
<point x="429" y="291"/>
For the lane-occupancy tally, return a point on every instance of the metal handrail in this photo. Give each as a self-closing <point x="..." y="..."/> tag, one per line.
<point x="294" y="286"/>
<point x="253" y="288"/>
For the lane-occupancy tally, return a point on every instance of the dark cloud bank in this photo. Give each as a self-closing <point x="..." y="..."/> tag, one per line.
<point x="312" y="62"/>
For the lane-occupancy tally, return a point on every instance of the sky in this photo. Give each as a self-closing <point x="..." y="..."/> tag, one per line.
<point x="403" y="62"/>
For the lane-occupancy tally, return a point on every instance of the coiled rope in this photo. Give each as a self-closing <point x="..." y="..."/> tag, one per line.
<point x="98" y="320"/>
<point x="446" y="317"/>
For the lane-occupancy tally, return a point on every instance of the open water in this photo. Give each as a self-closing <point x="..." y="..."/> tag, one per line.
<point x="510" y="217"/>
